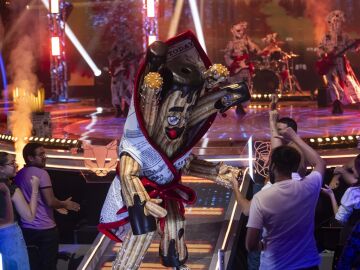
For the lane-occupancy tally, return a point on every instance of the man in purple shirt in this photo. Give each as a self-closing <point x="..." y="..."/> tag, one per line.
<point x="42" y="231"/>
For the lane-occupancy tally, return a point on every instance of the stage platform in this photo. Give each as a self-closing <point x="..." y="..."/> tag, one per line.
<point x="226" y="139"/>
<point x="212" y="217"/>
<point x="84" y="121"/>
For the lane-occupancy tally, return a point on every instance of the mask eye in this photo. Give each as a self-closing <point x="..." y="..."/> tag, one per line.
<point x="173" y="120"/>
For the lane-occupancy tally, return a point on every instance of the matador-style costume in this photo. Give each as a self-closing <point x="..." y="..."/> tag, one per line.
<point x="176" y="98"/>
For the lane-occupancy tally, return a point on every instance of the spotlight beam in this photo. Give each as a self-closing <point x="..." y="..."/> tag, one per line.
<point x="69" y="33"/>
<point x="196" y="19"/>
<point x="175" y="19"/>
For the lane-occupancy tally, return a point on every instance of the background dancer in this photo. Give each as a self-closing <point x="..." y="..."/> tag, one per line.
<point x="238" y="55"/>
<point x="340" y="80"/>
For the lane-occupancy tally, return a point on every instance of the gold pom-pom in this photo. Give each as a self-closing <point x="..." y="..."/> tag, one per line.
<point x="220" y="70"/>
<point x="153" y="81"/>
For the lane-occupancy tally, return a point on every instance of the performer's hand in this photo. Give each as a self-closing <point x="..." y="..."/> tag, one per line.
<point x="154" y="209"/>
<point x="227" y="175"/>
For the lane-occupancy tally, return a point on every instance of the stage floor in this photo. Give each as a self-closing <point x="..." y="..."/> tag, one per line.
<point x="83" y="120"/>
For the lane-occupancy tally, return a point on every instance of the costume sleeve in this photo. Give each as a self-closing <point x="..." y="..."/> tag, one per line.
<point x="255" y="215"/>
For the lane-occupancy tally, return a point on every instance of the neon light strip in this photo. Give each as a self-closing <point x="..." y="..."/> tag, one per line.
<point x="3" y="76"/>
<point x="196" y="19"/>
<point x="150" y="8"/>
<point x="93" y="252"/>
<point x="250" y="150"/>
<point x="78" y="46"/>
<point x="175" y="19"/>
<point x="1" y="263"/>
<point x="231" y="219"/>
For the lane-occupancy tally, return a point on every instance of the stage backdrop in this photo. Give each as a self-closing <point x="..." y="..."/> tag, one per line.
<point x="299" y="23"/>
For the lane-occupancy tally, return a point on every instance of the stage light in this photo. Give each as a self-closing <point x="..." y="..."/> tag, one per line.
<point x="175" y="18"/>
<point x="320" y="139"/>
<point x="31" y="138"/>
<point x="197" y="23"/>
<point x="312" y="140"/>
<point x="74" y="141"/>
<point x="151" y="39"/>
<point x="342" y="138"/>
<point x="350" y="138"/>
<point x="57" y="140"/>
<point x="335" y="139"/>
<point x="55" y="46"/>
<point x="47" y="139"/>
<point x="54" y="6"/>
<point x="150" y="8"/>
<point x="78" y="46"/>
<point x="327" y="139"/>
<point x="99" y="109"/>
<point x="52" y="140"/>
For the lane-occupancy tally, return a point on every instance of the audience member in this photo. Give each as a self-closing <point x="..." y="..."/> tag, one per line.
<point x="42" y="231"/>
<point x="350" y="258"/>
<point x="285" y="211"/>
<point x="277" y="125"/>
<point x="12" y="204"/>
<point x="348" y="213"/>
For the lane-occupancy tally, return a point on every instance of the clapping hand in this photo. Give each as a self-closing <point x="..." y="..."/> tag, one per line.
<point x="70" y="205"/>
<point x="327" y="190"/>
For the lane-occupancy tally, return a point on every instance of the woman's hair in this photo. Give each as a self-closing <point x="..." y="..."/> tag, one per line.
<point x="3" y="158"/>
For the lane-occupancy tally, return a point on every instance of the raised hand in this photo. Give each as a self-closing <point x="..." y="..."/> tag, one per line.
<point x="274" y="101"/>
<point x="273" y="116"/>
<point x="287" y="134"/>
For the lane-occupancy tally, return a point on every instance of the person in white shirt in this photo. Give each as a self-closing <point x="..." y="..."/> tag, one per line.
<point x="285" y="211"/>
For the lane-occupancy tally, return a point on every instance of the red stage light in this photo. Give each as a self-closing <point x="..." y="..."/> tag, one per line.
<point x="150" y="7"/>
<point x="55" y="46"/>
<point x="54" y="6"/>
